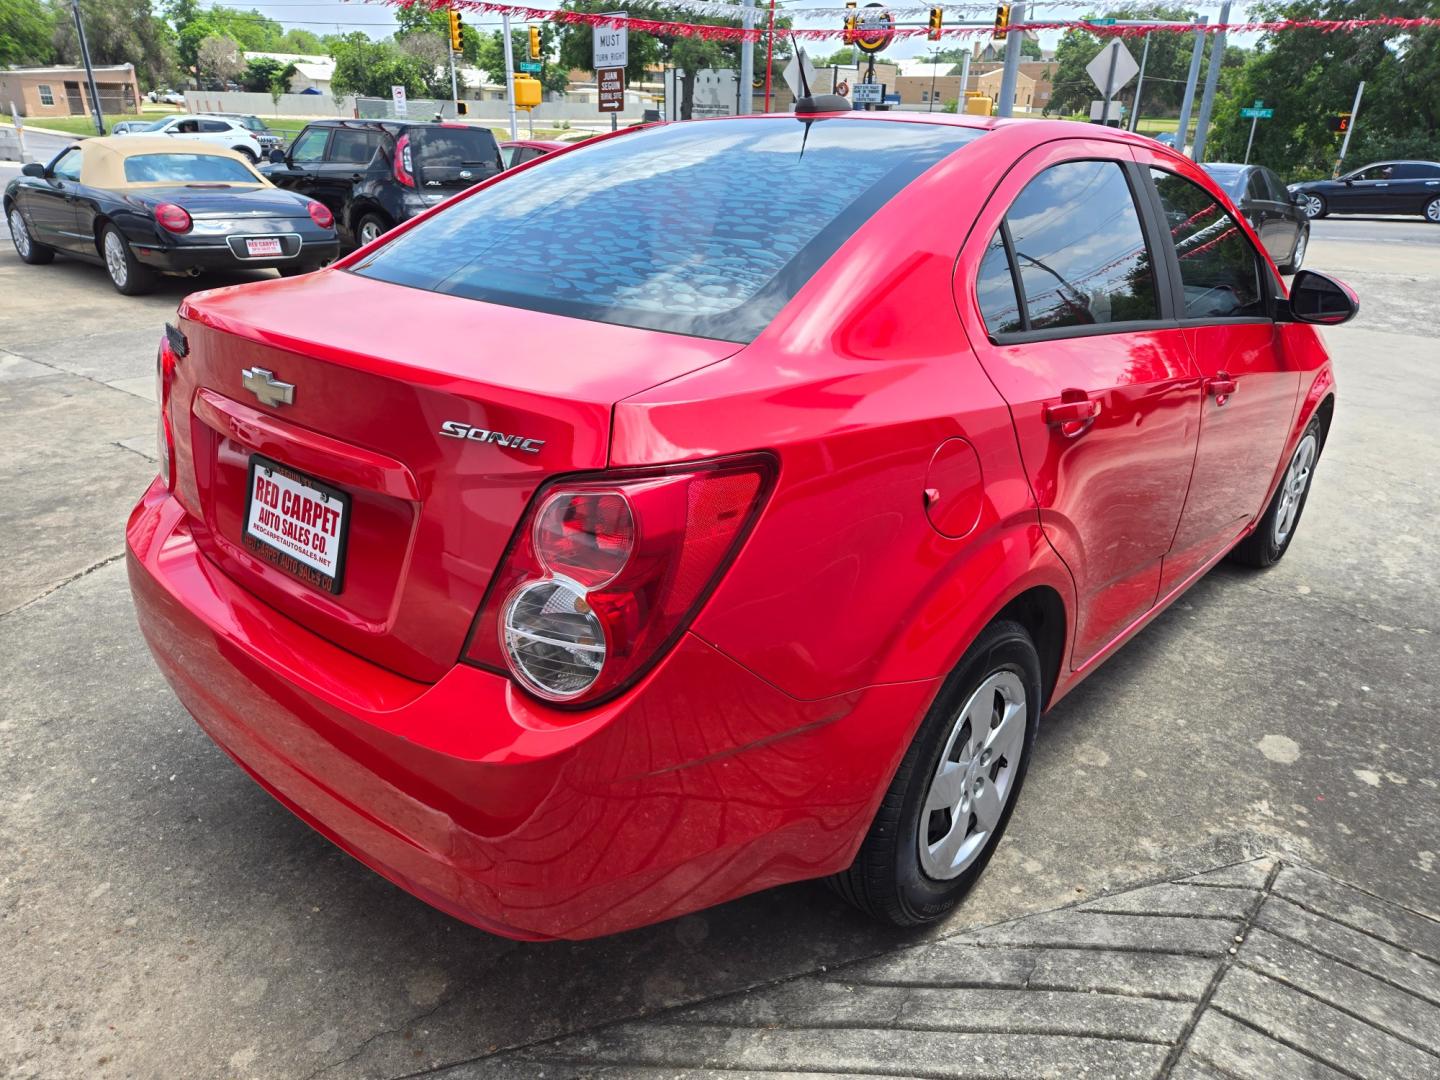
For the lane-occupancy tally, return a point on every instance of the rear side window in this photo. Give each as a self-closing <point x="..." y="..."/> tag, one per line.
<point x="1079" y="250"/>
<point x="1416" y="170"/>
<point x="353" y="147"/>
<point x="1219" y="270"/>
<point x="703" y="229"/>
<point x="214" y="125"/>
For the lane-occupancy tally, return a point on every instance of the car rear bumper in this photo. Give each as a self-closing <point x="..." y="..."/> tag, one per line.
<point x="701" y="784"/>
<point x="222" y="257"/>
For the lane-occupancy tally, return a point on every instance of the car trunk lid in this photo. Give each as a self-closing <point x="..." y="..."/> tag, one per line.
<point x="433" y="418"/>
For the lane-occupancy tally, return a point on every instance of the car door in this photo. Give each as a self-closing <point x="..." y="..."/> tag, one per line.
<point x="50" y="206"/>
<point x="1288" y="218"/>
<point x="303" y="161"/>
<point x="1075" y="328"/>
<point x="1367" y="192"/>
<point x="1225" y="293"/>
<point x="219" y="132"/>
<point x="347" y="158"/>
<point x="1267" y="218"/>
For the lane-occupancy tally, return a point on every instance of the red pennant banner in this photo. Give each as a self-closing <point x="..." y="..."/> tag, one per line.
<point x="707" y="32"/>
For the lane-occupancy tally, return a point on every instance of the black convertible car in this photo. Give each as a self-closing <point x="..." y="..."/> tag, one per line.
<point x="141" y="206"/>
<point x="1386" y="187"/>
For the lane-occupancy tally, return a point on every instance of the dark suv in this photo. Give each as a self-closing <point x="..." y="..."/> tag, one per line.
<point x="374" y="174"/>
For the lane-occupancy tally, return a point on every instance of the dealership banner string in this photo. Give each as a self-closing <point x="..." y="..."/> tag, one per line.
<point x="707" y="32"/>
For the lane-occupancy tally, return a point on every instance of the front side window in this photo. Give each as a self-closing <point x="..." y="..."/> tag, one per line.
<point x="47" y="94"/>
<point x="1374" y="172"/>
<point x="186" y="169"/>
<point x="1219" y="270"/>
<point x="67" y="166"/>
<point x="310" y="146"/>
<point x="702" y="229"/>
<point x="1078" y="247"/>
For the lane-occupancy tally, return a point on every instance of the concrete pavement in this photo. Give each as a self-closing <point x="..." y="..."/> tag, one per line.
<point x="161" y="916"/>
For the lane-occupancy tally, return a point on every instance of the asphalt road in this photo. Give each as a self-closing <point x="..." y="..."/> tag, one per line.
<point x="161" y="916"/>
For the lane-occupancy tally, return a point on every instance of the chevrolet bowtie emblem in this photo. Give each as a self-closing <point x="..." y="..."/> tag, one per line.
<point x="264" y="385"/>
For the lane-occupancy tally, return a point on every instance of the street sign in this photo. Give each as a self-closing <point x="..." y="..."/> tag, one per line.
<point x="1257" y="114"/>
<point x="874" y="29"/>
<point x="611" y="82"/>
<point x="1097" y="110"/>
<point x="792" y="73"/>
<point x="1101" y="22"/>
<point x="867" y="93"/>
<point x="532" y="66"/>
<point x="610" y="48"/>
<point x="1125" y="68"/>
<point x="397" y="94"/>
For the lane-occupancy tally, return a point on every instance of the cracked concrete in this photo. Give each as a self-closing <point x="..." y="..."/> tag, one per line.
<point x="160" y="915"/>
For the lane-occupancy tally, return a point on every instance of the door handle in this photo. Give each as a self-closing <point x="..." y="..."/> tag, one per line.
<point x="1221" y="387"/>
<point x="1073" y="414"/>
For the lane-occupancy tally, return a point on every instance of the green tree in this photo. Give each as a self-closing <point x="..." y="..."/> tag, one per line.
<point x="120" y="32"/>
<point x="1165" y="69"/>
<point x="218" y="60"/>
<point x="259" y="74"/>
<point x="490" y="55"/>
<point x="27" y="30"/>
<point x="1308" y="76"/>
<point x="302" y="42"/>
<point x="251" y="30"/>
<point x="576" y="42"/>
<point x="370" y="68"/>
<point x="1029" y="47"/>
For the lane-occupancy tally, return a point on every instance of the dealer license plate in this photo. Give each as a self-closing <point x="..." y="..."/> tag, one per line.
<point x="263" y="245"/>
<point x="297" y="523"/>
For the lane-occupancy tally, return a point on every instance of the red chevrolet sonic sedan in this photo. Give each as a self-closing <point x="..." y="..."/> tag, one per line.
<point x="717" y="505"/>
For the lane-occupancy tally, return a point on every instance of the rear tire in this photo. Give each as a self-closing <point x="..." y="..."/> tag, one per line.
<point x="921" y="855"/>
<point x="27" y="247"/>
<point x="127" y="274"/>
<point x="246" y="153"/>
<point x="371" y="227"/>
<point x="1432" y="211"/>
<point x="1267" y="545"/>
<point x="1297" y="257"/>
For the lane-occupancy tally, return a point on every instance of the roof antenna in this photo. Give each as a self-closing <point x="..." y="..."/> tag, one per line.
<point x="808" y="104"/>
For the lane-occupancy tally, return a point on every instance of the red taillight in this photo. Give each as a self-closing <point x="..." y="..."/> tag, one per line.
<point x="604" y="575"/>
<point x="165" y="361"/>
<point x="320" y="214"/>
<point x="173" y="218"/>
<point x="404" y="170"/>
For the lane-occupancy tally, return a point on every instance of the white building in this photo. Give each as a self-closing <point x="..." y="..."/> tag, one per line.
<point x="312" y="73"/>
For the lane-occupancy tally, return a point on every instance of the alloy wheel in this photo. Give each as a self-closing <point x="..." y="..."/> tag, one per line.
<point x="975" y="777"/>
<point x="1313" y="206"/>
<point x="1432" y="211"/>
<point x="369" y="232"/>
<point x="115" y="259"/>
<point x="1292" y="488"/>
<point x="1299" y="256"/>
<point x="19" y="234"/>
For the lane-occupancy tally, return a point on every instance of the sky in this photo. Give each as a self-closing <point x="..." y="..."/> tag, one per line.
<point x="378" y="19"/>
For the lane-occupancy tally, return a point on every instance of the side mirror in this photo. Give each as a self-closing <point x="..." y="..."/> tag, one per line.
<point x="1315" y="298"/>
<point x="277" y="157"/>
<point x="34" y="168"/>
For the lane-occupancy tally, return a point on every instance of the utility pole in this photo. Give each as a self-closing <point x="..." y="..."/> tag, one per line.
<point x="1139" y="85"/>
<point x="510" y="74"/>
<point x="1109" y="83"/>
<point x="747" y="60"/>
<point x="1350" y="128"/>
<point x="1012" y="63"/>
<point x="934" y="66"/>
<point x="964" y="81"/>
<point x="89" y="69"/>
<point x="1212" y="79"/>
<point x="454" y="85"/>
<point x="1183" y="131"/>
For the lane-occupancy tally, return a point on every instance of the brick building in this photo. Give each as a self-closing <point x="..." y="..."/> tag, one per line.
<point x="38" y="92"/>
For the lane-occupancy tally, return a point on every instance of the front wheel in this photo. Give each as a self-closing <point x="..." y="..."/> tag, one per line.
<point x="956" y="787"/>
<point x="128" y="276"/>
<point x="1315" y="207"/>
<point x="1432" y="211"/>
<point x="26" y="246"/>
<point x="1276" y="528"/>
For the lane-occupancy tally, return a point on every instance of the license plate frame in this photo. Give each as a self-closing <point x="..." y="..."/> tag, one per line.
<point x="331" y="496"/>
<point x="264" y="247"/>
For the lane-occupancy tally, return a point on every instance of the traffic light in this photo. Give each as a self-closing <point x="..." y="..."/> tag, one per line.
<point x="850" y="23"/>
<point x="1339" y="123"/>
<point x="534" y="43"/>
<point x="457" y="32"/>
<point x="937" y="18"/>
<point x="527" y="92"/>
<point x="1002" y="20"/>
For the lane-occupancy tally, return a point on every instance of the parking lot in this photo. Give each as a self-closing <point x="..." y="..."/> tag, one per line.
<point x="163" y="916"/>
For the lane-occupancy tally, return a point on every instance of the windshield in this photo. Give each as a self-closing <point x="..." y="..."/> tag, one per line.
<point x="443" y="152"/>
<point x="156" y="126"/>
<point x="705" y="229"/>
<point x="186" y="169"/>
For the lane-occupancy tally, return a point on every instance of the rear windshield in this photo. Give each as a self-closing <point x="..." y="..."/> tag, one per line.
<point x="185" y="169"/>
<point x="1232" y="181"/>
<point x="705" y="229"/>
<point x="443" y="152"/>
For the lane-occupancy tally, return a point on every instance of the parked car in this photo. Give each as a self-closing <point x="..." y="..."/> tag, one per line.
<point x="215" y="130"/>
<point x="267" y="139"/>
<point x="610" y="542"/>
<point x="142" y="206"/>
<point x="130" y="127"/>
<point x="169" y="97"/>
<point x="1277" y="216"/>
<point x="374" y="174"/>
<point x="1386" y="187"/>
<point x="523" y="150"/>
